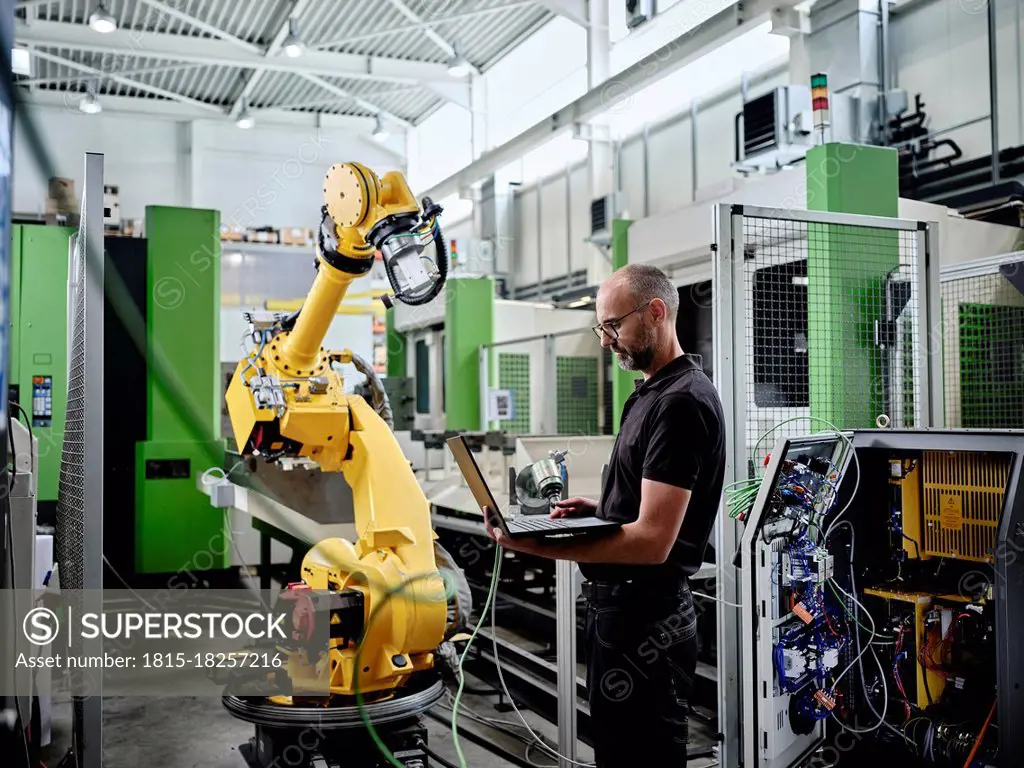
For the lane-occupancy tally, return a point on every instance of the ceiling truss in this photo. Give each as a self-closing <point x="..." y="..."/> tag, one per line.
<point x="350" y="81"/>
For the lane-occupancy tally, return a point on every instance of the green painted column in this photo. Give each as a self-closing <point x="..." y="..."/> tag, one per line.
<point x="469" y="322"/>
<point x="623" y="382"/>
<point x="846" y="274"/>
<point x="396" y="348"/>
<point x="176" y="527"/>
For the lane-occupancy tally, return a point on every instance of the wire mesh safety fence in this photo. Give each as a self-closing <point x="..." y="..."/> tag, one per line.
<point x="829" y="316"/>
<point x="553" y="384"/>
<point x="983" y="346"/>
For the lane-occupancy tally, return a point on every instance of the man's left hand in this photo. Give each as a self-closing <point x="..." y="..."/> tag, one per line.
<point x="499" y="537"/>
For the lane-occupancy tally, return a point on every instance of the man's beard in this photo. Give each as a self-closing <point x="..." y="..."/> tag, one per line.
<point x="638" y="359"/>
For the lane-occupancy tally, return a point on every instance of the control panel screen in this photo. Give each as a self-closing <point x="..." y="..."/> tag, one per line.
<point x="42" y="401"/>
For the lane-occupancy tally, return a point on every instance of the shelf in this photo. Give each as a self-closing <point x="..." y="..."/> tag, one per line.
<point x="234" y="246"/>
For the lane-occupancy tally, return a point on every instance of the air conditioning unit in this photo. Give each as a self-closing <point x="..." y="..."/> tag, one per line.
<point x="639" y="11"/>
<point x="774" y="130"/>
<point x="603" y="211"/>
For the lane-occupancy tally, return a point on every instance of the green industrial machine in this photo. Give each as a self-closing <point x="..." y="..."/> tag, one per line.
<point x="38" y="360"/>
<point x="161" y="389"/>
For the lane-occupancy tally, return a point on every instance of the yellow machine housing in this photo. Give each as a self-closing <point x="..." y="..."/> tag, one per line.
<point x="950" y="504"/>
<point x="305" y="413"/>
<point x="923" y="604"/>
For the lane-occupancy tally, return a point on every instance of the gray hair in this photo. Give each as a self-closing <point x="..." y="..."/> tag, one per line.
<point x="646" y="283"/>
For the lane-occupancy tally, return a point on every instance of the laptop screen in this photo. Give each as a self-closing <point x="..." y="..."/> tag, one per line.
<point x="474" y="477"/>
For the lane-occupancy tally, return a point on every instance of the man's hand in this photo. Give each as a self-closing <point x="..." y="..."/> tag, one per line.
<point x="525" y="546"/>
<point x="576" y="506"/>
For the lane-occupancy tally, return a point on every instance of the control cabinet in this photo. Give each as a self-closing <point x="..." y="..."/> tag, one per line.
<point x="882" y="579"/>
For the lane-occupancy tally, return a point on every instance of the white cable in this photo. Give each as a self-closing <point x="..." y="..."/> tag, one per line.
<point x="207" y="482"/>
<point x="856" y="486"/>
<point x="885" y="704"/>
<point x="717" y="599"/>
<point x="873" y="632"/>
<point x="501" y="678"/>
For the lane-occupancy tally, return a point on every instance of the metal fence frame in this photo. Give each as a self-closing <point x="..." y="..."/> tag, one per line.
<point x="980" y="267"/>
<point x="549" y="406"/>
<point x="86" y="263"/>
<point x="729" y="334"/>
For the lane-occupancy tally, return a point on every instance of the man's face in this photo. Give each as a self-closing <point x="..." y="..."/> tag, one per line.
<point x="625" y="327"/>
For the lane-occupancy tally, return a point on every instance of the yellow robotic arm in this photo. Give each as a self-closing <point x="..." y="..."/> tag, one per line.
<point x="287" y="404"/>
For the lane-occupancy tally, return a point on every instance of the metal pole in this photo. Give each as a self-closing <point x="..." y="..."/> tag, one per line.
<point x="565" y="612"/>
<point x="993" y="90"/>
<point x="568" y="219"/>
<point x="933" y="402"/>
<point x="883" y="45"/>
<point x="693" y="149"/>
<point x="549" y="414"/>
<point x="647" y="169"/>
<point x="483" y="364"/>
<point x="92" y="522"/>
<point x="728" y="341"/>
<point x="540" y="242"/>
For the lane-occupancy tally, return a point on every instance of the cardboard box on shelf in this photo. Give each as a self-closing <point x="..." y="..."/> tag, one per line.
<point x="61" y="188"/>
<point x="232" y="233"/>
<point x="296" y="236"/>
<point x="265" y="235"/>
<point x="111" y="206"/>
<point x="62" y="206"/>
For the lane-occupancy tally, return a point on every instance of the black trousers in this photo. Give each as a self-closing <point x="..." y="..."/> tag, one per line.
<point x="641" y="656"/>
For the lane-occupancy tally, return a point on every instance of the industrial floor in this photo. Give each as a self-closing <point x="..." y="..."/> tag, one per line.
<point x="199" y="733"/>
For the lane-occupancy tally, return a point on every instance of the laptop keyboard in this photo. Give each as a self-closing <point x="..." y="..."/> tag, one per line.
<point x="547" y="523"/>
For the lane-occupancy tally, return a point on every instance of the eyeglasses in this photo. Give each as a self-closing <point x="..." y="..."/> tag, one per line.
<point x="611" y="327"/>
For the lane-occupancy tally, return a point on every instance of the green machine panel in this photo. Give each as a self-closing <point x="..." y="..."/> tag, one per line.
<point x="623" y="381"/>
<point x="39" y="340"/>
<point x="469" y="323"/>
<point x="847" y="269"/>
<point x="174" y="520"/>
<point x="176" y="528"/>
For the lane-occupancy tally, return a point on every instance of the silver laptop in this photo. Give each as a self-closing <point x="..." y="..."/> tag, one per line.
<point x="511" y="523"/>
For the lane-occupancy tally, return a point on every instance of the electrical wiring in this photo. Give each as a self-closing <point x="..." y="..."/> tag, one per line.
<point x="462" y="659"/>
<point x="357" y="666"/>
<point x="501" y="678"/>
<point x="716" y="599"/>
<point x="509" y="728"/>
<point x="849" y="447"/>
<point x="856" y="602"/>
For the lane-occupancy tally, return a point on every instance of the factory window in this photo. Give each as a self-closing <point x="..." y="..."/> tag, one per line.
<point x="422" y="377"/>
<point x="780" y="336"/>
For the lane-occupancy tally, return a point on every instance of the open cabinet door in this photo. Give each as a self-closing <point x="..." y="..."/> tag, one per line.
<point x="790" y="653"/>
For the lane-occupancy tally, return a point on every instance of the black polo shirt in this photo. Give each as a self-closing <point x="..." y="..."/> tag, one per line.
<point x="672" y="431"/>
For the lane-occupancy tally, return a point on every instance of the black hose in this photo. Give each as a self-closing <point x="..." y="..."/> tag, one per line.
<point x="442" y="272"/>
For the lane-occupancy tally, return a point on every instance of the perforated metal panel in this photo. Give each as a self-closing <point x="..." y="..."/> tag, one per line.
<point x="963" y="498"/>
<point x="577" y="395"/>
<point x="514" y="375"/>
<point x="983" y="352"/>
<point x="71" y="490"/>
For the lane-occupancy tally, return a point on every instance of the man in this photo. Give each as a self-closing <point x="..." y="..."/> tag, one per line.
<point x="664" y="483"/>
